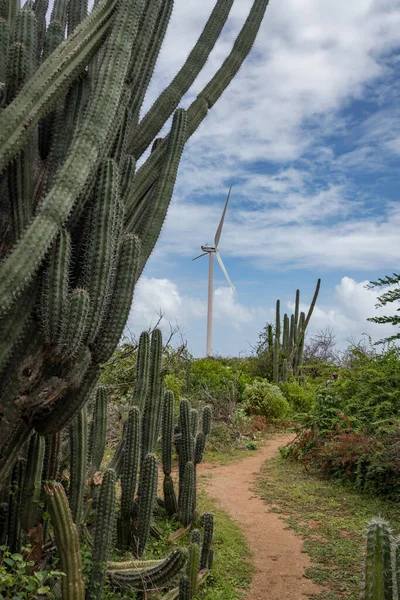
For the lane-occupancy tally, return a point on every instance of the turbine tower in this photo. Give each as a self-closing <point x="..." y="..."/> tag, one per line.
<point x="211" y="250"/>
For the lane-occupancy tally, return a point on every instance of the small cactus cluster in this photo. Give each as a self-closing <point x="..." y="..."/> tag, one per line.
<point x="286" y="344"/>
<point x="87" y="505"/>
<point x="78" y="218"/>
<point x="382" y="562"/>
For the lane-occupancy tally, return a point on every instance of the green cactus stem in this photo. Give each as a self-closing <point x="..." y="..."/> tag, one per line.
<point x="98" y="431"/>
<point x="142" y="371"/>
<point x="147" y="498"/>
<point x="32" y="482"/>
<point x="151" y="420"/>
<point x="208" y="525"/>
<point x="378" y="574"/>
<point x="67" y="541"/>
<point x="78" y="458"/>
<point x="152" y="577"/>
<point x="206" y="420"/>
<point x="193" y="567"/>
<point x="130" y="466"/>
<point x="15" y="501"/>
<point x="167" y="432"/>
<point x="171" y="503"/>
<point x="103" y="537"/>
<point x="187" y="496"/>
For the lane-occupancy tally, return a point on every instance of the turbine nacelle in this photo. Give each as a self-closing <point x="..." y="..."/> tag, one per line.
<point x="208" y="248"/>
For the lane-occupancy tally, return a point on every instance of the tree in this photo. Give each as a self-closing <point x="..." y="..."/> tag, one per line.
<point x="389" y="296"/>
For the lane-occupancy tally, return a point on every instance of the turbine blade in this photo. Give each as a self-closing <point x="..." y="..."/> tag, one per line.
<point x="200" y="255"/>
<point x="221" y="223"/>
<point x="225" y="272"/>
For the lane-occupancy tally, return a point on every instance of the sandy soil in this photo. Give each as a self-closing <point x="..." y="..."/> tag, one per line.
<point x="277" y="552"/>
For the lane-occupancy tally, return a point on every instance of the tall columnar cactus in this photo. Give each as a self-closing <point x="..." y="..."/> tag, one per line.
<point x="32" y="482"/>
<point x="13" y="529"/>
<point x="72" y="204"/>
<point x="378" y="570"/>
<point x="147" y="497"/>
<point x="287" y="351"/>
<point x="103" y="537"/>
<point x="67" y="541"/>
<point x="98" y="431"/>
<point x="151" y="419"/>
<point x="208" y="525"/>
<point x="130" y="466"/>
<point x="78" y="432"/>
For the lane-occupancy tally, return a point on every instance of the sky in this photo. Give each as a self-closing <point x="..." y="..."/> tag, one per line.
<point x="308" y="135"/>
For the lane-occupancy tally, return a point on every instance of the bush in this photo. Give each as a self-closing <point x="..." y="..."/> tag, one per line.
<point x="301" y="399"/>
<point x="266" y="399"/>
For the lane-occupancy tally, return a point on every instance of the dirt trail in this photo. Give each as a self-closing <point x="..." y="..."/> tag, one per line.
<point x="277" y="556"/>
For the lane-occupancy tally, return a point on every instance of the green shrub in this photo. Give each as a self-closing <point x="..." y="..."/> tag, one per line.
<point x="19" y="582"/>
<point x="301" y="398"/>
<point x="266" y="399"/>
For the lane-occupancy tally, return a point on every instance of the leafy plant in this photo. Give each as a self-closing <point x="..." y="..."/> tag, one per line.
<point x="266" y="399"/>
<point x="300" y="397"/>
<point x="19" y="580"/>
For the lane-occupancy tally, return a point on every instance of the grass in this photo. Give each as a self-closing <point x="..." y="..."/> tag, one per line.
<point x="232" y="569"/>
<point x="330" y="518"/>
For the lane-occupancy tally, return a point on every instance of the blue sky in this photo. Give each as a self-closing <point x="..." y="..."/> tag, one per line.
<point x="308" y="134"/>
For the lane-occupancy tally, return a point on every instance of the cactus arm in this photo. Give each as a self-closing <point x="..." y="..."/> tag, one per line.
<point x="186" y="498"/>
<point x="55" y="288"/>
<point x="14" y="504"/>
<point x="103" y="537"/>
<point x="167" y="432"/>
<point x="169" y="99"/>
<point x="171" y="503"/>
<point x="75" y="323"/>
<point x="153" y="405"/>
<point x="121" y="300"/>
<point x="81" y="160"/>
<point x="206" y="420"/>
<point x="193" y="567"/>
<point x="67" y="541"/>
<point x="78" y="457"/>
<point x="152" y="577"/>
<point x="208" y="524"/>
<point x="312" y="305"/>
<point x="51" y="79"/>
<point x="378" y="572"/>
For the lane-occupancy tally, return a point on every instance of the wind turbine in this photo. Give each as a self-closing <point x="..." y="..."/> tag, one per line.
<point x="211" y="250"/>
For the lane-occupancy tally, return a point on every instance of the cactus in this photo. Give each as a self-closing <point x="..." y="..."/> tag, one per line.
<point x="147" y="497"/>
<point x="130" y="465"/>
<point x="67" y="540"/>
<point x="72" y="203"/>
<point x="151" y="419"/>
<point x="98" y="431"/>
<point x="153" y="577"/>
<point x="14" y="504"/>
<point x="287" y="354"/>
<point x="32" y="482"/>
<point x="142" y="371"/>
<point x="103" y="537"/>
<point x="171" y="503"/>
<point x="78" y="432"/>
<point x="208" y="524"/>
<point x="378" y="572"/>
<point x="187" y="495"/>
<point x="167" y="432"/>
<point x="193" y="567"/>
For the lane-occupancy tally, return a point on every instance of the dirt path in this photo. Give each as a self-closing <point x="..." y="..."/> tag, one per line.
<point x="277" y="556"/>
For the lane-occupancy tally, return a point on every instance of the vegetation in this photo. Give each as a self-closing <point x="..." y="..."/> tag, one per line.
<point x="331" y="518"/>
<point x="266" y="399"/>
<point x="389" y="296"/>
<point x="79" y="219"/>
